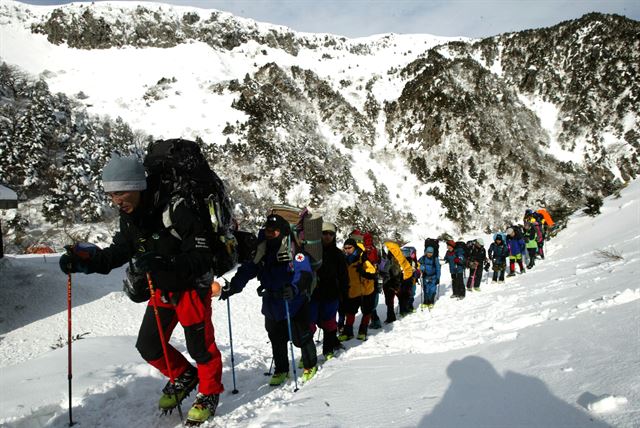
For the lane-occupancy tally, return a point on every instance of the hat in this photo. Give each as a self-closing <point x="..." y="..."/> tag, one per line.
<point x="429" y="250"/>
<point x="510" y="231"/>
<point x="351" y="242"/>
<point x="275" y="221"/>
<point x="328" y="227"/>
<point x="451" y="243"/>
<point x="123" y="174"/>
<point x="499" y="236"/>
<point x="480" y="242"/>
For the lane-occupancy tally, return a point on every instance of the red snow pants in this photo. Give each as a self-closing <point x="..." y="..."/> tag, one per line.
<point x="193" y="312"/>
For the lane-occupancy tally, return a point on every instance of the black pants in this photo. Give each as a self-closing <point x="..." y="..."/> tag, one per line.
<point x="302" y="338"/>
<point x="499" y="266"/>
<point x="457" y="284"/>
<point x="474" y="280"/>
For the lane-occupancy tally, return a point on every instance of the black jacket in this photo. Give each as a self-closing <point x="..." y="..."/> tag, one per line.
<point x="333" y="278"/>
<point x="144" y="231"/>
<point x="477" y="255"/>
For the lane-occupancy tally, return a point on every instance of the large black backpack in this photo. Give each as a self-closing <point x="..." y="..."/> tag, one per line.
<point x="179" y="170"/>
<point x="432" y="242"/>
<point x="518" y="232"/>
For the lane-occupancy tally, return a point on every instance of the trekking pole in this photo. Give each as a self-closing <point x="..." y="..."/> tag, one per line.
<point x="293" y="357"/>
<point x="270" y="367"/>
<point x="162" y="341"/>
<point x="233" y="364"/>
<point x="69" y="340"/>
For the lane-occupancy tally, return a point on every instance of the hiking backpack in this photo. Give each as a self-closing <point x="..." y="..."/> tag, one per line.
<point x="306" y="233"/>
<point x="503" y="236"/>
<point x="517" y="231"/>
<point x="432" y="242"/>
<point x="366" y="238"/>
<point x="181" y="173"/>
<point x="461" y="245"/>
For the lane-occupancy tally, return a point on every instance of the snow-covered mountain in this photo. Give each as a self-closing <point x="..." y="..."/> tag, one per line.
<point x="555" y="347"/>
<point x="401" y="134"/>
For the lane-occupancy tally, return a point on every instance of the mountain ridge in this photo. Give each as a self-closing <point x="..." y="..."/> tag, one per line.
<point x="479" y="129"/>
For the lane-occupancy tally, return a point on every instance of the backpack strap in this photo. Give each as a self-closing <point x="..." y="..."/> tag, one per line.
<point x="167" y="214"/>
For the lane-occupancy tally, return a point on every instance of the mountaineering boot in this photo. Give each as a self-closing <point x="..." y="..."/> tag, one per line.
<point x="347" y="333"/>
<point x="203" y="408"/>
<point x="307" y="374"/>
<point x="423" y="306"/>
<point x="362" y="336"/>
<point x="278" y="378"/>
<point x="174" y="393"/>
<point x="375" y="323"/>
<point x="391" y="316"/>
<point x="328" y="356"/>
<point x="476" y="288"/>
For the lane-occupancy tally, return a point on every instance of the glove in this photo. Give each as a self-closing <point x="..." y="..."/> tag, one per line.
<point x="153" y="262"/>
<point x="77" y="258"/>
<point x="68" y="263"/>
<point x="288" y="293"/>
<point x="360" y="269"/>
<point x="486" y="266"/>
<point x="226" y="293"/>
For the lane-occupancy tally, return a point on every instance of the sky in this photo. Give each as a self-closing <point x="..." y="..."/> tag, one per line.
<point x="358" y="18"/>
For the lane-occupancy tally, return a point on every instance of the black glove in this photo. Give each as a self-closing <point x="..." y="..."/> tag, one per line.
<point x="153" y="262"/>
<point x="288" y="293"/>
<point x="68" y="263"/>
<point x="486" y="266"/>
<point x="360" y="269"/>
<point x="228" y="290"/>
<point x="77" y="258"/>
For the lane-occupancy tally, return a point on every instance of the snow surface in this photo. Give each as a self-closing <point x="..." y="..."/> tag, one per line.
<point x="555" y="347"/>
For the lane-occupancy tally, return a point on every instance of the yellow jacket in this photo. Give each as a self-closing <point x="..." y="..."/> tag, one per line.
<point x="359" y="284"/>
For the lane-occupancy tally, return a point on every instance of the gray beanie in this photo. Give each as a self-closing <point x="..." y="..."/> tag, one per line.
<point x="122" y="174"/>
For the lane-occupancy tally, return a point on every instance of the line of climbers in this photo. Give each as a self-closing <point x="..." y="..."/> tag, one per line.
<point x="173" y="251"/>
<point x="351" y="281"/>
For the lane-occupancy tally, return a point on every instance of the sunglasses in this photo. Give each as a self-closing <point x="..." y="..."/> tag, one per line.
<point x="348" y="247"/>
<point x="328" y="232"/>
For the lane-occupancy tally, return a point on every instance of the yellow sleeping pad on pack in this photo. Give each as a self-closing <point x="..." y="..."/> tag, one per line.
<point x="394" y="248"/>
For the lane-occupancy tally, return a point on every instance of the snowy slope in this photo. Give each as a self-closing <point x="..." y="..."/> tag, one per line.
<point x="556" y="347"/>
<point x="115" y="82"/>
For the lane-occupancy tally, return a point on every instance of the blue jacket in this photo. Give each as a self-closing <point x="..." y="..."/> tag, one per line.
<point x="273" y="276"/>
<point x="498" y="253"/>
<point x="450" y="257"/>
<point x="430" y="268"/>
<point x="516" y="245"/>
